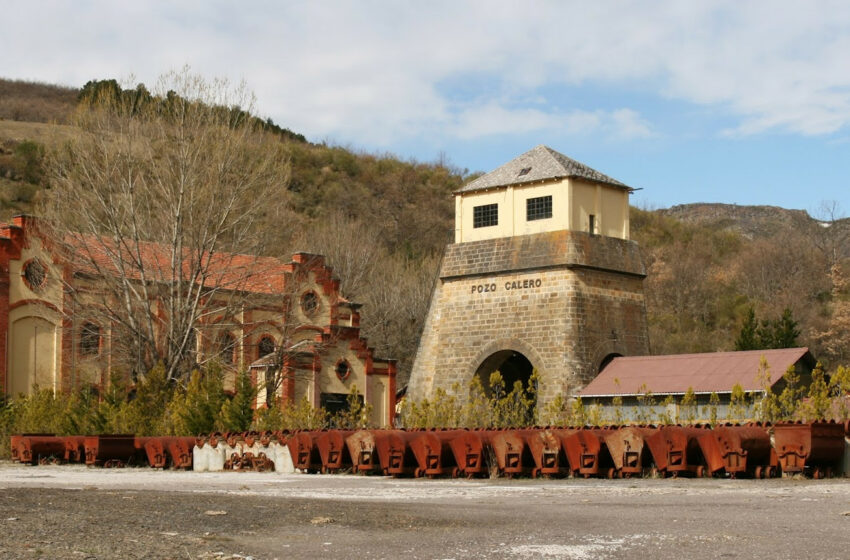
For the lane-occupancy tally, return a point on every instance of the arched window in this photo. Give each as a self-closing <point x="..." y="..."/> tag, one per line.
<point x="265" y="346"/>
<point x="227" y="348"/>
<point x="89" y="339"/>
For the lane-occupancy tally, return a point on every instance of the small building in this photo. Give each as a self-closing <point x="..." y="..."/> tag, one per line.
<point x="52" y="337"/>
<point x="642" y="383"/>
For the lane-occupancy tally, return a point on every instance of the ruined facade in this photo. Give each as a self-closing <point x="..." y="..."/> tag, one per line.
<point x="293" y="311"/>
<point x="541" y="276"/>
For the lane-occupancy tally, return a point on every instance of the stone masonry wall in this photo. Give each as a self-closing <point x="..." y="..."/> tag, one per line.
<point x="565" y="300"/>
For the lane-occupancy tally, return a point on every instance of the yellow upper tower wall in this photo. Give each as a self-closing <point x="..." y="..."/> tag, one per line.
<point x="541" y="191"/>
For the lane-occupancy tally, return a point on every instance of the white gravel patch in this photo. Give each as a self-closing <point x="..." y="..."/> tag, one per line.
<point x="384" y="489"/>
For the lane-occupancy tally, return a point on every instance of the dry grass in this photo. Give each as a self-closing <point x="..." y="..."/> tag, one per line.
<point x="36" y="102"/>
<point x="47" y="134"/>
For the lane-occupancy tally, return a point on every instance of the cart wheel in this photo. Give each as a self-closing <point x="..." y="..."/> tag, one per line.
<point x="700" y="472"/>
<point x="758" y="473"/>
<point x="456" y="472"/>
<point x="612" y="472"/>
<point x="535" y="472"/>
<point x="418" y="473"/>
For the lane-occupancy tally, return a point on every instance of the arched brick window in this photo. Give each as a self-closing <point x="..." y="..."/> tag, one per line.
<point x="227" y="348"/>
<point x="265" y="346"/>
<point x="89" y="339"/>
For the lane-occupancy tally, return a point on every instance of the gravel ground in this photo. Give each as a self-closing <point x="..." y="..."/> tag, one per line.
<point x="75" y="512"/>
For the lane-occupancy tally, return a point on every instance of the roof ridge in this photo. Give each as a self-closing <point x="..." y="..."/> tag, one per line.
<point x="719" y="353"/>
<point x="540" y="163"/>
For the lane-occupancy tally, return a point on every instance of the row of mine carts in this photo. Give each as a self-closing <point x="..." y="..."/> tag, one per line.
<point x="817" y="449"/>
<point x="754" y="450"/>
<point x="115" y="450"/>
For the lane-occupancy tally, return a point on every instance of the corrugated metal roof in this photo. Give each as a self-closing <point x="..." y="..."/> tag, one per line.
<point x="704" y="373"/>
<point x="538" y="164"/>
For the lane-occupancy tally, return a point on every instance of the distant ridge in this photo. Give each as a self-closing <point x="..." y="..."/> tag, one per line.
<point x="750" y="221"/>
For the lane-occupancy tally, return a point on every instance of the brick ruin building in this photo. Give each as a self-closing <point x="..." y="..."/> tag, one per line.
<point x="541" y="276"/>
<point x="49" y="340"/>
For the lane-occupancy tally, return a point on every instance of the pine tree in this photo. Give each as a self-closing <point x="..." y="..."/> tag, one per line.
<point x="237" y="414"/>
<point x="785" y="331"/>
<point x="767" y="334"/>
<point x="196" y="408"/>
<point x="747" y="337"/>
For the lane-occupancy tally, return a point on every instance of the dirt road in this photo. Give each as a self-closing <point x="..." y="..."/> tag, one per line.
<point x="74" y="512"/>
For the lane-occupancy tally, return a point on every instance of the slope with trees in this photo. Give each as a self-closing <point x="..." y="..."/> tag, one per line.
<point x="384" y="222"/>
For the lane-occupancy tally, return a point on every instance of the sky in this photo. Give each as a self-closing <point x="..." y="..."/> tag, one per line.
<point x="740" y="102"/>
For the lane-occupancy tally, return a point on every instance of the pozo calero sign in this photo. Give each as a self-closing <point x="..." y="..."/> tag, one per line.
<point x="524" y="284"/>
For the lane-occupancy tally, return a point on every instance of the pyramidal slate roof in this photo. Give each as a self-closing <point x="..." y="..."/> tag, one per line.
<point x="538" y="164"/>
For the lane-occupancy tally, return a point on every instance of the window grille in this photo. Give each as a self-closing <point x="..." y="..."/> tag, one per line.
<point x="539" y="208"/>
<point x="485" y="216"/>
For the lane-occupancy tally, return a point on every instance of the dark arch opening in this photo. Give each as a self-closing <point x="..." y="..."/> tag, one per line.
<point x="607" y="360"/>
<point x="513" y="367"/>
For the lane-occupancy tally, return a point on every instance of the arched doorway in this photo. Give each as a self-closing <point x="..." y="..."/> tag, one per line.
<point x="512" y="365"/>
<point x="607" y="360"/>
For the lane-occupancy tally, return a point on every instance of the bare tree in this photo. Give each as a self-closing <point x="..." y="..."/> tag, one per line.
<point x="831" y="234"/>
<point x="154" y="208"/>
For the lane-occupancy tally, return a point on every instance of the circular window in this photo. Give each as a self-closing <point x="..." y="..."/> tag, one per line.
<point x="309" y="302"/>
<point x="343" y="369"/>
<point x="35" y="274"/>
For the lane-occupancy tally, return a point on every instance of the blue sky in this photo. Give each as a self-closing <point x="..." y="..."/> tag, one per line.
<point x="737" y="102"/>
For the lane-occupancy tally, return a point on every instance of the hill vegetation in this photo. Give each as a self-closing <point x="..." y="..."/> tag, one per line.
<point x="383" y="222"/>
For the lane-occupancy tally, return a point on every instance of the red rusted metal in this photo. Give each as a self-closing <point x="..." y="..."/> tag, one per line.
<point x="114" y="450"/>
<point x="587" y="453"/>
<point x="333" y="453"/>
<point x="675" y="450"/>
<point x="818" y="446"/>
<point x="508" y="448"/>
<point x="40" y="449"/>
<point x="155" y="451"/>
<point x="179" y="450"/>
<point x="627" y="448"/>
<point x="544" y="447"/>
<point x="738" y="450"/>
<point x="305" y="454"/>
<point x="394" y="452"/>
<point x="468" y="450"/>
<point x="362" y="450"/>
<point x="75" y="449"/>
<point x="433" y="453"/>
<point x="14" y="442"/>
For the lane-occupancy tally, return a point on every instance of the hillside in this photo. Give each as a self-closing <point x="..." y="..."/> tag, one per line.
<point x="36" y="102"/>
<point x="383" y="223"/>
<point x="755" y="222"/>
<point x="363" y="211"/>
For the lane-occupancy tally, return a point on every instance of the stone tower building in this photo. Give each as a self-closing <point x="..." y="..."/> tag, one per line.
<point x="542" y="275"/>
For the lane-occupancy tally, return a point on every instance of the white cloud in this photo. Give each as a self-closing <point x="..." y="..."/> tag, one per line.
<point x="376" y="71"/>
